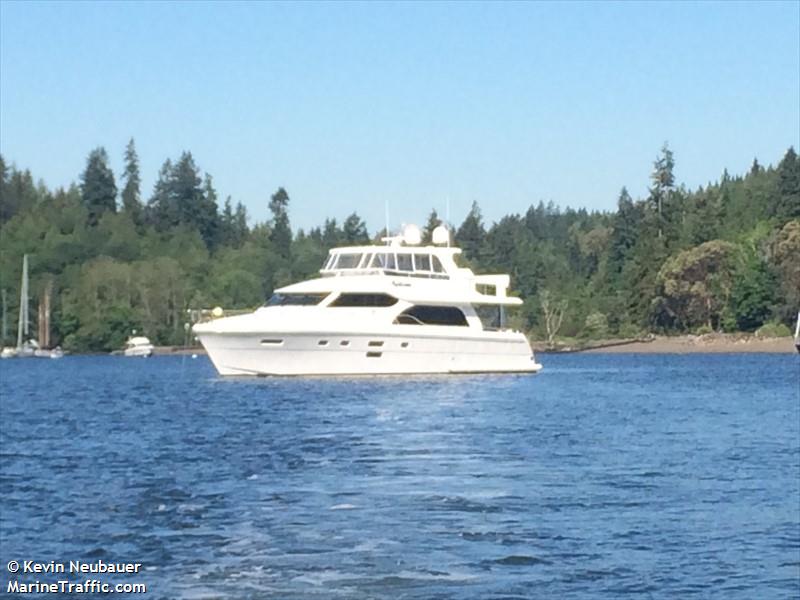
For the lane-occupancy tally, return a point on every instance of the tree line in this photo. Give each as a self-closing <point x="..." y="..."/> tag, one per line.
<point x="722" y="257"/>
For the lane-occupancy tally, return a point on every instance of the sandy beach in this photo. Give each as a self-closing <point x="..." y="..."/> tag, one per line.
<point x="711" y="343"/>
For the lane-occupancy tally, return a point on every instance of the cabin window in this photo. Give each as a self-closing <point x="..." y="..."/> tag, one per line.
<point x="432" y="315"/>
<point x="437" y="265"/>
<point x="329" y="262"/>
<point x="404" y="262"/>
<point x="422" y="262"/>
<point x="296" y="299"/>
<point x="348" y="261"/>
<point x="358" y="300"/>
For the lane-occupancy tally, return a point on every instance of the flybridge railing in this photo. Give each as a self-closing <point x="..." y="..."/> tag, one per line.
<point x="379" y="271"/>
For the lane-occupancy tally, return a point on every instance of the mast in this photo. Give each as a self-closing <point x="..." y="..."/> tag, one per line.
<point x="23" y="328"/>
<point x="5" y="318"/>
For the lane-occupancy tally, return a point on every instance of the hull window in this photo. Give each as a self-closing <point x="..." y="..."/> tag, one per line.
<point x="432" y="315"/>
<point x="374" y="354"/>
<point x="271" y="342"/>
<point x="355" y="300"/>
<point x="344" y="343"/>
<point x="322" y="343"/>
<point x="375" y="343"/>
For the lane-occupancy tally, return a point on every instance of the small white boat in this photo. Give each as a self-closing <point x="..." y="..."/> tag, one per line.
<point x="138" y="346"/>
<point x="56" y="352"/>
<point x="797" y="333"/>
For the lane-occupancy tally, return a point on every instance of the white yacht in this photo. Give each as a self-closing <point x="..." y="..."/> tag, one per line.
<point x="399" y="308"/>
<point x="138" y="346"/>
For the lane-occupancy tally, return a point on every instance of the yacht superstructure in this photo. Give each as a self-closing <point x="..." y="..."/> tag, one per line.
<point x="393" y="309"/>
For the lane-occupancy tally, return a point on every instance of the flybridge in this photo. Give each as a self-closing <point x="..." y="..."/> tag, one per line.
<point x="436" y="263"/>
<point x="401" y="256"/>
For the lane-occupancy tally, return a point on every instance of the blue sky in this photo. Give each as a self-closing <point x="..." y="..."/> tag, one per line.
<point x="353" y="105"/>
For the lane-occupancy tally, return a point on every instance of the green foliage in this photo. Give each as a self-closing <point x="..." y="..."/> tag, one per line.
<point x="596" y="325"/>
<point x="694" y="286"/>
<point x="773" y="329"/>
<point x="721" y="257"/>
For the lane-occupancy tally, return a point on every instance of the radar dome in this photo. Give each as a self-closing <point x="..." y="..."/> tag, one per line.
<point x="441" y="235"/>
<point x="412" y="235"/>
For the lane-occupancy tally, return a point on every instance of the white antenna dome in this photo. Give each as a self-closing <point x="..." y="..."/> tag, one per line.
<point x="412" y="235"/>
<point x="440" y="235"/>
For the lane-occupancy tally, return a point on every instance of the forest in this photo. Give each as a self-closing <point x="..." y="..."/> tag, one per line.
<point x="723" y="257"/>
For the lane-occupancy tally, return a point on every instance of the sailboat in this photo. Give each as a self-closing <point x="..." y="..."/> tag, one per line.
<point x="27" y="347"/>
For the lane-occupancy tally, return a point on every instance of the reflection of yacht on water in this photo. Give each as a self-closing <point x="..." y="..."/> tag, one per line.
<point x="396" y="308"/>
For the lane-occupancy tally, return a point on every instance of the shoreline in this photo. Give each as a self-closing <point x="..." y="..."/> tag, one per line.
<point x="713" y="343"/>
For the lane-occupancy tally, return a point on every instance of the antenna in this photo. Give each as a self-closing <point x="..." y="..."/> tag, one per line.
<point x="447" y="200"/>
<point x="386" y="207"/>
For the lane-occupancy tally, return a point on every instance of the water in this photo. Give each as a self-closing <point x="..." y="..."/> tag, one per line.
<point x="605" y="475"/>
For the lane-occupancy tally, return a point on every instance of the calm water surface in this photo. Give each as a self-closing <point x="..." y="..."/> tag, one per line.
<point x="605" y="475"/>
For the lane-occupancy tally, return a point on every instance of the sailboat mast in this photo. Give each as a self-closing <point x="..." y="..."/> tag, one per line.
<point x="24" y="322"/>
<point x="5" y="318"/>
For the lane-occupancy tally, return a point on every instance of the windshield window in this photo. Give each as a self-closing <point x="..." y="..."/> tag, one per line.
<point x="383" y="260"/>
<point x="404" y="262"/>
<point x="422" y="262"/>
<point x="437" y="265"/>
<point x="348" y="261"/>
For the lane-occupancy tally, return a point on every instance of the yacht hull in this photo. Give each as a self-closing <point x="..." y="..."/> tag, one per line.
<point x="322" y="353"/>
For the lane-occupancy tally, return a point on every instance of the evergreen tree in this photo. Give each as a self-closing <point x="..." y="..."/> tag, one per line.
<point x="207" y="214"/>
<point x="160" y="211"/>
<point x="471" y="233"/>
<point x="331" y="234"/>
<point x="97" y="186"/>
<point x="131" y="195"/>
<point x="240" y="229"/>
<point x="787" y="205"/>
<point x="6" y="209"/>
<point x="433" y="222"/>
<point x="281" y="234"/>
<point x="354" y="230"/>
<point x="663" y="183"/>
<point x="626" y="223"/>
<point x="226" y="224"/>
